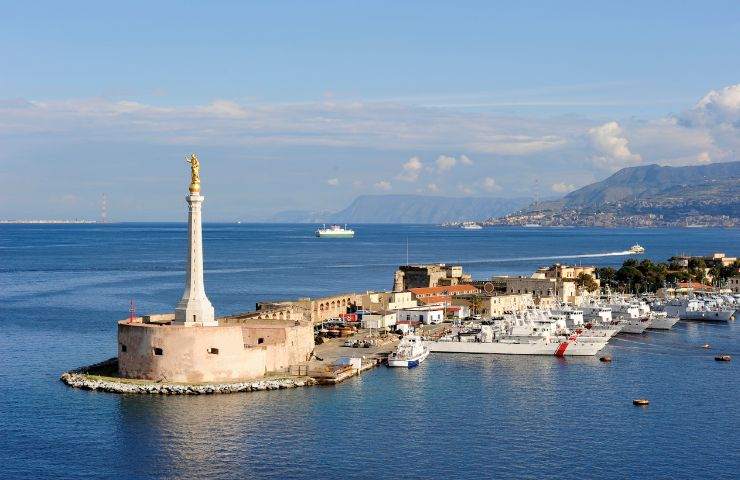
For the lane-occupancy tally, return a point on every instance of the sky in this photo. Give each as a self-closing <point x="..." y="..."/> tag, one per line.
<point x="306" y="105"/>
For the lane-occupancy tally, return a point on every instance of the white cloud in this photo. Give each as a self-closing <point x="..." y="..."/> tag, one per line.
<point x="467" y="190"/>
<point x="333" y="182"/>
<point x="717" y="107"/>
<point x="411" y="170"/>
<point x="704" y="157"/>
<point x="445" y="163"/>
<point x="432" y="187"/>
<point x="489" y="184"/>
<point x="465" y="160"/>
<point x="562" y="187"/>
<point x="612" y="147"/>
<point x="383" y="185"/>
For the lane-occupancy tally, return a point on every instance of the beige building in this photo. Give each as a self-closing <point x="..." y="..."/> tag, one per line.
<point x="383" y="320"/>
<point x="721" y="258"/>
<point x="320" y="309"/>
<point x="733" y="283"/>
<point x="495" y="305"/>
<point x="557" y="281"/>
<point x="379" y="301"/>
<point x="421" y="276"/>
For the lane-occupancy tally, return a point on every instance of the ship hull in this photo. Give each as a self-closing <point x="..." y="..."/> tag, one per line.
<point x="334" y="235"/>
<point x="409" y="362"/>
<point x="700" y="315"/>
<point x="569" y="348"/>
<point x="663" y="323"/>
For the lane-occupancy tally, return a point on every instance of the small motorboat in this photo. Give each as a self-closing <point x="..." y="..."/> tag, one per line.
<point x="410" y="352"/>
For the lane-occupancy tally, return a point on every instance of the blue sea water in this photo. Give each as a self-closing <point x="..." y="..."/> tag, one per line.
<point x="62" y="287"/>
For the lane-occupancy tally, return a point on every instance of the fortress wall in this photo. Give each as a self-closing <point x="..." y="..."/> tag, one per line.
<point x="185" y="353"/>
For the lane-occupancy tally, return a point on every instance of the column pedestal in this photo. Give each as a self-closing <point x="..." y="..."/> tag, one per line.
<point x="194" y="308"/>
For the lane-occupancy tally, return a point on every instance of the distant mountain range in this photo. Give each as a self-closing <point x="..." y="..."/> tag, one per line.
<point x="409" y="209"/>
<point x="649" y="195"/>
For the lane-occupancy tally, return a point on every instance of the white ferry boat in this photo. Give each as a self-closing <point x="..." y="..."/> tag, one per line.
<point x="410" y="352"/>
<point x="637" y="249"/>
<point x="335" y="231"/>
<point x="471" y="226"/>
<point x="524" y="337"/>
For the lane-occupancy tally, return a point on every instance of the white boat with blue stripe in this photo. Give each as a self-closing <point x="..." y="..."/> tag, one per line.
<point x="410" y="352"/>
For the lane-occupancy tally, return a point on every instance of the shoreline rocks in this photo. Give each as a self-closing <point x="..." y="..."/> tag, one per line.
<point x="79" y="378"/>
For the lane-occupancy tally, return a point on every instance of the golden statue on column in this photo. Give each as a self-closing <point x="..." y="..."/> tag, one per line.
<point x="194" y="173"/>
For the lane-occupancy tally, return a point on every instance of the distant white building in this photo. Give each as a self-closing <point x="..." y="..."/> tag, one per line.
<point x="426" y="315"/>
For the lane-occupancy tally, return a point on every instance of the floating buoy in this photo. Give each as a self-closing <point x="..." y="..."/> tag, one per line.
<point x="723" y="358"/>
<point x="605" y="358"/>
<point x="706" y="345"/>
<point x="640" y="402"/>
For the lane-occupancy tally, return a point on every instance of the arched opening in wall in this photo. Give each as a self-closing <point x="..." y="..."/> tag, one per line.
<point x="260" y="341"/>
<point x="157" y="351"/>
<point x="123" y="348"/>
<point x="213" y="350"/>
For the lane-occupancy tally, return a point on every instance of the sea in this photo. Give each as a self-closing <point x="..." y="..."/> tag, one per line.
<point x="63" y="287"/>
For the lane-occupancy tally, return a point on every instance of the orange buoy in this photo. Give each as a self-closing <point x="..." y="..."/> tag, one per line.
<point x="640" y="402"/>
<point x="605" y="358"/>
<point x="723" y="358"/>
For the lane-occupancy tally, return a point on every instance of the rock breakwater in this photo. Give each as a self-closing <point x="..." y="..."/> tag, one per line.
<point x="89" y="378"/>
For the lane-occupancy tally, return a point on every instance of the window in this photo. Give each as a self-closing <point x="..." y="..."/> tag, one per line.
<point x="123" y="347"/>
<point x="260" y="341"/>
<point x="158" y="351"/>
<point x="213" y="350"/>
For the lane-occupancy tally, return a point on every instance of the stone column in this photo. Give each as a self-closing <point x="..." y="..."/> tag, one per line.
<point x="194" y="308"/>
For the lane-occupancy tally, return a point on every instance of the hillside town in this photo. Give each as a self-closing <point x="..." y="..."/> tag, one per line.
<point x="574" y="217"/>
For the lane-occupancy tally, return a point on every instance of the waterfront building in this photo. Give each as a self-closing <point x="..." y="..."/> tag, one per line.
<point x="733" y="283"/>
<point x="376" y="301"/>
<point x="191" y="345"/>
<point x="494" y="305"/>
<point x="557" y="281"/>
<point x="424" y="293"/>
<point x="319" y="309"/>
<point x="423" y="276"/>
<point x="427" y="315"/>
<point x="379" y="320"/>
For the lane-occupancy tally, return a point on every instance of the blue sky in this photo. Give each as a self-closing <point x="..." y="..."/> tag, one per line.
<point x="304" y="105"/>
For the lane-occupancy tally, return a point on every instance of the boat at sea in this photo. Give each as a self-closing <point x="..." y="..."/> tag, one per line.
<point x="470" y="226"/>
<point x="335" y="231"/>
<point x="410" y="352"/>
<point x="637" y="249"/>
<point x="518" y="335"/>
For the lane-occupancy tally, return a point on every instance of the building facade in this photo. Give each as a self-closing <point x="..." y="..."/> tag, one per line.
<point x="421" y="276"/>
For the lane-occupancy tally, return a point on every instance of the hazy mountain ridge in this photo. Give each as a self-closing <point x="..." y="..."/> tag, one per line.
<point x="655" y="181"/>
<point x="409" y="209"/>
<point x="649" y="195"/>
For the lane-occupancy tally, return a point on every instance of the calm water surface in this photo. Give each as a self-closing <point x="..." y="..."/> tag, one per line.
<point x="62" y="287"/>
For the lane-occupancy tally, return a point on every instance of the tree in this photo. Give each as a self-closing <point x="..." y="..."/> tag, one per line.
<point x="607" y="275"/>
<point x="476" y="302"/>
<point x="587" y="282"/>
